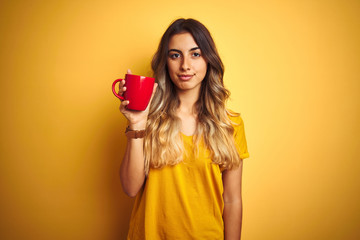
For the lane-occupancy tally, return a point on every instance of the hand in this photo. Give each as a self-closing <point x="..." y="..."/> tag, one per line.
<point x="137" y="119"/>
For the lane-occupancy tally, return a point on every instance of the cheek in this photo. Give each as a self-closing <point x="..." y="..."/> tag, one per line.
<point x="203" y="68"/>
<point x="170" y="67"/>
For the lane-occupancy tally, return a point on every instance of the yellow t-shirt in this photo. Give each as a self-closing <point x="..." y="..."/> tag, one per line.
<point x="184" y="201"/>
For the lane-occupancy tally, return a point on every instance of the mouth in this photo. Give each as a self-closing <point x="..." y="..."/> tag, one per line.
<point x="185" y="77"/>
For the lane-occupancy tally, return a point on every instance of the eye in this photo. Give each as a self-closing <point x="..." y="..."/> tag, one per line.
<point x="196" y="54"/>
<point x="174" y="55"/>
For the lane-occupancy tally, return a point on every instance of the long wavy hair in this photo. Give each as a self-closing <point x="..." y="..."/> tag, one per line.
<point x="163" y="143"/>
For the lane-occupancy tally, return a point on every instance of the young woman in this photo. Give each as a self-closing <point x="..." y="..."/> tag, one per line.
<point x="185" y="168"/>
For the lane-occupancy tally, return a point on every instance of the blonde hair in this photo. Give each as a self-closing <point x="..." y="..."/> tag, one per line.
<point x="163" y="144"/>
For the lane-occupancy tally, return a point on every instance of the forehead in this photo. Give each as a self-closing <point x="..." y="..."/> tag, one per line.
<point x="182" y="41"/>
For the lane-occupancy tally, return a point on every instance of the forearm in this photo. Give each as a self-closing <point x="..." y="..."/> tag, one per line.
<point x="132" y="172"/>
<point x="232" y="220"/>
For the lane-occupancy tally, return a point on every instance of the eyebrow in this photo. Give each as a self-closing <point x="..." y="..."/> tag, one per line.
<point x="176" y="50"/>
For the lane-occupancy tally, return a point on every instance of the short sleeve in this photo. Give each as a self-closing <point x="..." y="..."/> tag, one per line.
<point x="239" y="137"/>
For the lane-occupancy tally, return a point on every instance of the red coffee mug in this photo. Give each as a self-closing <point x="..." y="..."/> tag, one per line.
<point x="138" y="91"/>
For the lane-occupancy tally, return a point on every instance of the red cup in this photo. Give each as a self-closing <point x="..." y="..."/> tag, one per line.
<point x="138" y="91"/>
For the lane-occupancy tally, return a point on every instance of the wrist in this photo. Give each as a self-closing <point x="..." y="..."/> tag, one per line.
<point x="137" y="126"/>
<point x="131" y="133"/>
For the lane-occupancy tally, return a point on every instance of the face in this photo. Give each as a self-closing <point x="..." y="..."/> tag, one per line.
<point x="186" y="65"/>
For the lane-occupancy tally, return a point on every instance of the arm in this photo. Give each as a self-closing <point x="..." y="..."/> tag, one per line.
<point x="232" y="203"/>
<point x="132" y="172"/>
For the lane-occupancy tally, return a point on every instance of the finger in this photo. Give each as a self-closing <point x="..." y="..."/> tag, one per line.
<point x="121" y="83"/>
<point x="129" y="71"/>
<point x="121" y="87"/>
<point x="123" y="105"/>
<point x="121" y="90"/>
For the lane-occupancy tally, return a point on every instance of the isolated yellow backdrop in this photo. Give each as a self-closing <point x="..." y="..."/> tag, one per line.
<point x="292" y="68"/>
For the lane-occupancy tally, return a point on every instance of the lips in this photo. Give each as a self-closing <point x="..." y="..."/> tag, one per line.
<point x="186" y="77"/>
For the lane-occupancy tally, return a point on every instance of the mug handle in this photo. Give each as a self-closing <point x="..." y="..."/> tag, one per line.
<point x="114" y="91"/>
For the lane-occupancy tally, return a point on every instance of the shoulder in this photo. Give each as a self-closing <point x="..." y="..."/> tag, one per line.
<point x="235" y="118"/>
<point x="237" y="123"/>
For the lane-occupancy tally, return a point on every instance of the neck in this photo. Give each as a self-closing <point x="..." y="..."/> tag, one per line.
<point x="187" y="101"/>
<point x="187" y="112"/>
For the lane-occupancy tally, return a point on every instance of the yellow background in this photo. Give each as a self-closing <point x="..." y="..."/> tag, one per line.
<point x="293" y="68"/>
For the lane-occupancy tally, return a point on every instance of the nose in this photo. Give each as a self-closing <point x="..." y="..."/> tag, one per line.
<point x="186" y="64"/>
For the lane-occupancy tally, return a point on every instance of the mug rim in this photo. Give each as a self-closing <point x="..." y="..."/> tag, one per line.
<point x="138" y="75"/>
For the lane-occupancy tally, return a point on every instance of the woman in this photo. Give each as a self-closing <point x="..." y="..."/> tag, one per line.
<point x="185" y="170"/>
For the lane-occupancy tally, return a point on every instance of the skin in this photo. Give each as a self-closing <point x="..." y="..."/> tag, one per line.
<point x="232" y="203"/>
<point x="186" y="65"/>
<point x="132" y="171"/>
<point x="187" y="69"/>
